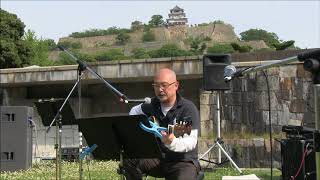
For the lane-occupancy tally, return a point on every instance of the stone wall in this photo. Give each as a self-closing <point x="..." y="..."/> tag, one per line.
<point x="245" y="108"/>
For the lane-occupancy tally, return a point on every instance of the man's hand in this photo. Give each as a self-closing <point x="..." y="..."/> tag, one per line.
<point x="167" y="138"/>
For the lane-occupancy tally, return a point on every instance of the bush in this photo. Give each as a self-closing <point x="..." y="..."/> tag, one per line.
<point x="169" y="50"/>
<point x="220" y="49"/>
<point x="284" y="45"/>
<point x="140" y="53"/>
<point x="122" y="38"/>
<point x="112" y="54"/>
<point x="148" y="36"/>
<point x="241" y="49"/>
<point x="100" y="32"/>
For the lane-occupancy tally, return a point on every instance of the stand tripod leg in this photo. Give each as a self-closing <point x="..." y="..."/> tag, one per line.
<point x="80" y="159"/>
<point x="207" y="152"/>
<point x="226" y="154"/>
<point x="57" y="153"/>
<point x="121" y="170"/>
<point x="59" y="144"/>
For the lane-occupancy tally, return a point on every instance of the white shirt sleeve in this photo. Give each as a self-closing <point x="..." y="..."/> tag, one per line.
<point x="136" y="110"/>
<point x="185" y="143"/>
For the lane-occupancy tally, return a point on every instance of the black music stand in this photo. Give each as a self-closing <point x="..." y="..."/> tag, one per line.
<point x="119" y="137"/>
<point x="48" y="109"/>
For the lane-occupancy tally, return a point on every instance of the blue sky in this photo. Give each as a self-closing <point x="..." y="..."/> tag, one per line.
<point x="290" y="20"/>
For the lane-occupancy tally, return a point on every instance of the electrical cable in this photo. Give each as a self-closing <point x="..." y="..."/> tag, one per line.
<point x="270" y="125"/>
<point x="302" y="162"/>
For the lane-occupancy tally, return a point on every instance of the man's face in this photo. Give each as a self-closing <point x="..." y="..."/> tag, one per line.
<point x="165" y="86"/>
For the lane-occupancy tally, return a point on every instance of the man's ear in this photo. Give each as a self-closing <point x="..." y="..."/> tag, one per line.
<point x="177" y="84"/>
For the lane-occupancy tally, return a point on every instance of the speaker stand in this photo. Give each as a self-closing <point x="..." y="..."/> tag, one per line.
<point x="218" y="140"/>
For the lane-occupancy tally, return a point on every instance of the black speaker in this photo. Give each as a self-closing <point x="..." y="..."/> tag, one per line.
<point x="292" y="152"/>
<point x="213" y="70"/>
<point x="16" y="138"/>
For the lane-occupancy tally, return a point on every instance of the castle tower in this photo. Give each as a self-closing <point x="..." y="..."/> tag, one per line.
<point x="177" y="17"/>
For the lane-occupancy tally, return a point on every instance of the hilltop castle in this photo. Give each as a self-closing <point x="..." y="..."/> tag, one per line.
<point x="177" y="17"/>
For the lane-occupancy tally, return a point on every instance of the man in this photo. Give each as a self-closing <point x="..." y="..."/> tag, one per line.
<point x="180" y="161"/>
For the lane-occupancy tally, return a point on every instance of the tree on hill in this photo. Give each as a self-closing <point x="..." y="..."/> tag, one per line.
<point x="241" y="49"/>
<point x="148" y="36"/>
<point x="156" y="21"/>
<point x="196" y="45"/>
<point x="136" y="25"/>
<point x="269" y="38"/>
<point x="169" y="50"/>
<point x="14" y="52"/>
<point x="122" y="38"/>
<point x="111" y="54"/>
<point x="284" y="45"/>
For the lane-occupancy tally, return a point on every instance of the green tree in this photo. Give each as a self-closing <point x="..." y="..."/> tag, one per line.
<point x="51" y="44"/>
<point x="284" y="45"/>
<point x="241" y="49"/>
<point x="156" y="21"/>
<point x="122" y="38"/>
<point x="148" y="36"/>
<point x="112" y="54"/>
<point x="269" y="38"/>
<point x="136" y="25"/>
<point x="39" y="49"/>
<point x="14" y="52"/>
<point x="220" y="49"/>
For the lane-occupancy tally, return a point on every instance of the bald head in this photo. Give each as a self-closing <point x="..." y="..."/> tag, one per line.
<point x="165" y="86"/>
<point x="167" y="74"/>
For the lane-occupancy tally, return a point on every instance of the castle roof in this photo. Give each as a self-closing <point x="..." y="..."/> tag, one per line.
<point x="176" y="9"/>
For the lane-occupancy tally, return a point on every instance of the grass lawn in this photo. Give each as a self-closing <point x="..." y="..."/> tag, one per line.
<point x="107" y="170"/>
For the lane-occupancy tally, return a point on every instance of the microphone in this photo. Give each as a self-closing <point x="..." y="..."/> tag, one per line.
<point x="229" y="72"/>
<point x="146" y="100"/>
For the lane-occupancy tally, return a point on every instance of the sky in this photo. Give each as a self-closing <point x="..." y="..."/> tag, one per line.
<point x="290" y="20"/>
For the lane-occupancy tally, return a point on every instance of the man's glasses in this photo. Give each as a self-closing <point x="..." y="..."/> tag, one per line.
<point x="162" y="85"/>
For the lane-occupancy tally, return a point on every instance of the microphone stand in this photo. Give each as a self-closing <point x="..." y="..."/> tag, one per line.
<point x="81" y="67"/>
<point x="58" y="121"/>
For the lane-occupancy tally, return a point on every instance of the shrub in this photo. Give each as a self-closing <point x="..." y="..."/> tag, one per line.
<point x="169" y="50"/>
<point x="99" y="32"/>
<point x="220" y="48"/>
<point x="148" y="36"/>
<point x="112" y="54"/>
<point x="241" y="49"/>
<point x="140" y="53"/>
<point x="122" y="38"/>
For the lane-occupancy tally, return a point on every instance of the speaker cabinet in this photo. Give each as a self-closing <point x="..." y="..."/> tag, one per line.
<point x="292" y="152"/>
<point x="213" y="70"/>
<point x="16" y="138"/>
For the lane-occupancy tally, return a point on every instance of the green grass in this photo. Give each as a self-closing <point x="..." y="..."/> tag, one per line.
<point x="107" y="170"/>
